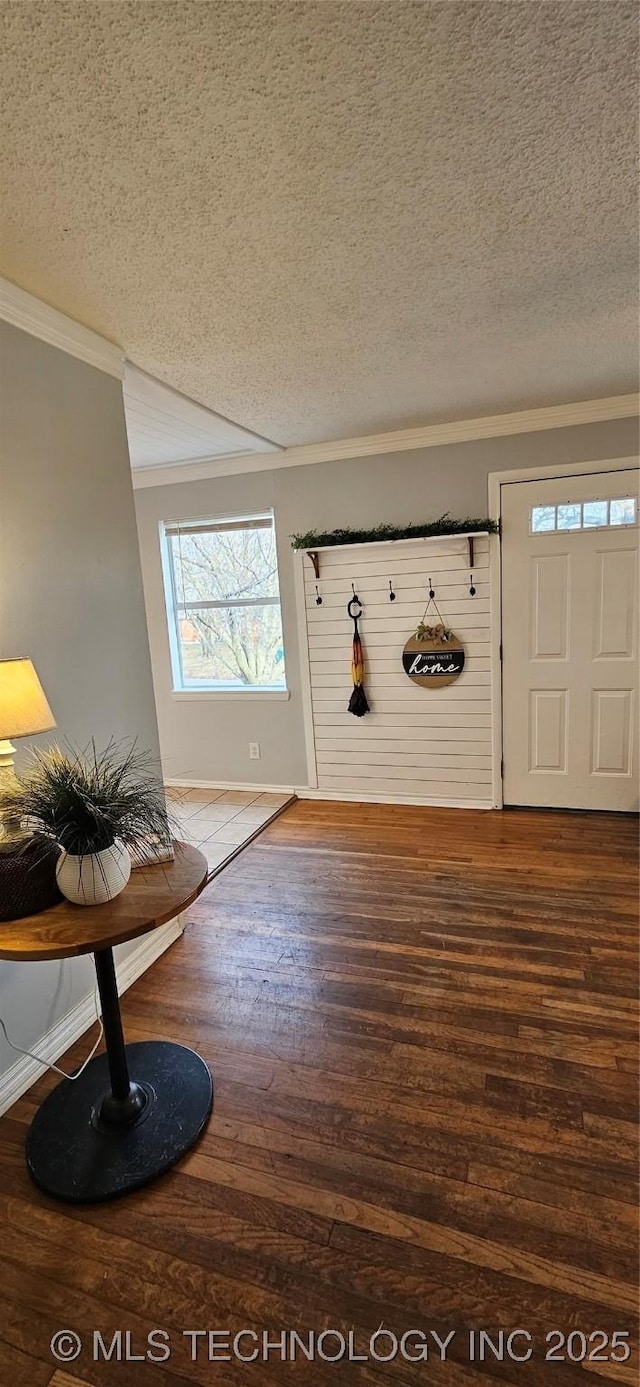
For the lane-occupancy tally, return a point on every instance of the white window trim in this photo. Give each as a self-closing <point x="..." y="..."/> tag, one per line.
<point x="180" y="694"/>
<point x="239" y="695"/>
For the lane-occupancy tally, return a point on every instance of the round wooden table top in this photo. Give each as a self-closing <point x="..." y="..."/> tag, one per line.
<point x="153" y="895"/>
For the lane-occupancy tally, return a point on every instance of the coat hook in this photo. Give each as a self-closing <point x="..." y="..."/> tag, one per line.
<point x="472" y="589"/>
<point x="431" y="592"/>
<point x="392" y="596"/>
<point x="355" y="593"/>
<point x="318" y="597"/>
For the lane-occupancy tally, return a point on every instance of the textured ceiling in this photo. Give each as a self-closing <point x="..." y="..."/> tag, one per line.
<point x="324" y="219"/>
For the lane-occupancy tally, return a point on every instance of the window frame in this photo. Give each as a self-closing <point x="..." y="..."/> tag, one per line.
<point x="174" y="608"/>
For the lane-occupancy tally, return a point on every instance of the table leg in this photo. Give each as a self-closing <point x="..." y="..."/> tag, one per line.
<point x="126" y="1101"/>
<point x="104" y="1134"/>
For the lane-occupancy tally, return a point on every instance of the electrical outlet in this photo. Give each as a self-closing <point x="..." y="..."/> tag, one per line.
<point x="254" y="751"/>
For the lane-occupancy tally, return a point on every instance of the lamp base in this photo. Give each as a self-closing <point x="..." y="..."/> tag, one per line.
<point x="27" y="876"/>
<point x="12" y="837"/>
<point x="12" y="834"/>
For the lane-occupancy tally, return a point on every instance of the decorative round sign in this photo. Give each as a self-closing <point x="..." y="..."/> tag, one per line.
<point x="433" y="657"/>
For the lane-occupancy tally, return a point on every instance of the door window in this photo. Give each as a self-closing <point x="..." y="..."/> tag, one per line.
<point x="582" y="515"/>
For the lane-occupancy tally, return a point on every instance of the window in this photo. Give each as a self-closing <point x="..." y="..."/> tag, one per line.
<point x="583" y="515"/>
<point x="223" y="605"/>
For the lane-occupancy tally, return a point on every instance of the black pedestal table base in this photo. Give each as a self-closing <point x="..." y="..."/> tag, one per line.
<point x="104" y="1134"/>
<point x="73" y="1153"/>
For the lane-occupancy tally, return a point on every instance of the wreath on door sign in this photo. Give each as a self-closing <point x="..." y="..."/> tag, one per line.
<point x="433" y="656"/>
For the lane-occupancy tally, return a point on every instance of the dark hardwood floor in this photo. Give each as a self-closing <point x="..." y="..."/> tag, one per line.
<point x="422" y="1028"/>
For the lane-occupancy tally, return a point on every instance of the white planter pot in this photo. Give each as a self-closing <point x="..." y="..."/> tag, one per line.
<point x="95" y="878"/>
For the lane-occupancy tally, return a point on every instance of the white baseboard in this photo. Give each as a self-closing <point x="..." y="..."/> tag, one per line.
<point x="357" y="797"/>
<point x="228" y="785"/>
<point x="71" y="1027"/>
<point x="349" y="797"/>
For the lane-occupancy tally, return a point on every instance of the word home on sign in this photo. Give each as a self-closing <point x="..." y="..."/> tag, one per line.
<point x="433" y="662"/>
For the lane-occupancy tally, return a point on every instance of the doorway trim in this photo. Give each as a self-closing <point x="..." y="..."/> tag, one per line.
<point x="496" y="482"/>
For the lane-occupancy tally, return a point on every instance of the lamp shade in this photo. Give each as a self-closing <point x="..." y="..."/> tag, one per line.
<point x="23" y="707"/>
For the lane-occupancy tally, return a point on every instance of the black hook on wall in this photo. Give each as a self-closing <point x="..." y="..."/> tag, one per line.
<point x="318" y="597"/>
<point x="472" y="590"/>
<point x="431" y="591"/>
<point x="392" y="596"/>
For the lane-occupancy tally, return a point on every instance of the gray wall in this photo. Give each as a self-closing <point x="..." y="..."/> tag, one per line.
<point x="208" y="740"/>
<point x="70" y="594"/>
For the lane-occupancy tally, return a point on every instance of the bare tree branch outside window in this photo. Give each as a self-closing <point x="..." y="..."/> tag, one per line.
<point x="239" y="642"/>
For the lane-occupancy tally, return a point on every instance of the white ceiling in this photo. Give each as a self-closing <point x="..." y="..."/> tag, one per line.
<point x="164" y="427"/>
<point x="325" y="219"/>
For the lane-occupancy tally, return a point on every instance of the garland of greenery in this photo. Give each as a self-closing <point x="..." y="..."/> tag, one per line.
<point x="319" y="539"/>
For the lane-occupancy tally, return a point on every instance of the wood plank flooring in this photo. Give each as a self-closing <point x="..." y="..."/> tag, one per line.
<point x="422" y="1029"/>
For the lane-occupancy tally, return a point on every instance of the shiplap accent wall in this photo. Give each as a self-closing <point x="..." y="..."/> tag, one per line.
<point x="417" y="744"/>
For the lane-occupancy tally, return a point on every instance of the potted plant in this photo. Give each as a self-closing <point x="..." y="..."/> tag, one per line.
<point x="102" y="808"/>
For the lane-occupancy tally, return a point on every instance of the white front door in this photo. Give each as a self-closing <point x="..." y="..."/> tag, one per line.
<point x="570" y="641"/>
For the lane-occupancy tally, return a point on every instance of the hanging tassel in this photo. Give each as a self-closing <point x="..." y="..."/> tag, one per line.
<point x="358" y="702"/>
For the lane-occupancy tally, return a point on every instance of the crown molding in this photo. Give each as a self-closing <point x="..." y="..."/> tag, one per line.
<point x="25" y="311"/>
<point x="203" y="469"/>
<point x="403" y="440"/>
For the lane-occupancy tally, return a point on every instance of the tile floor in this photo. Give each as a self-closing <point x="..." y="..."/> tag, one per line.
<point x="220" y="821"/>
